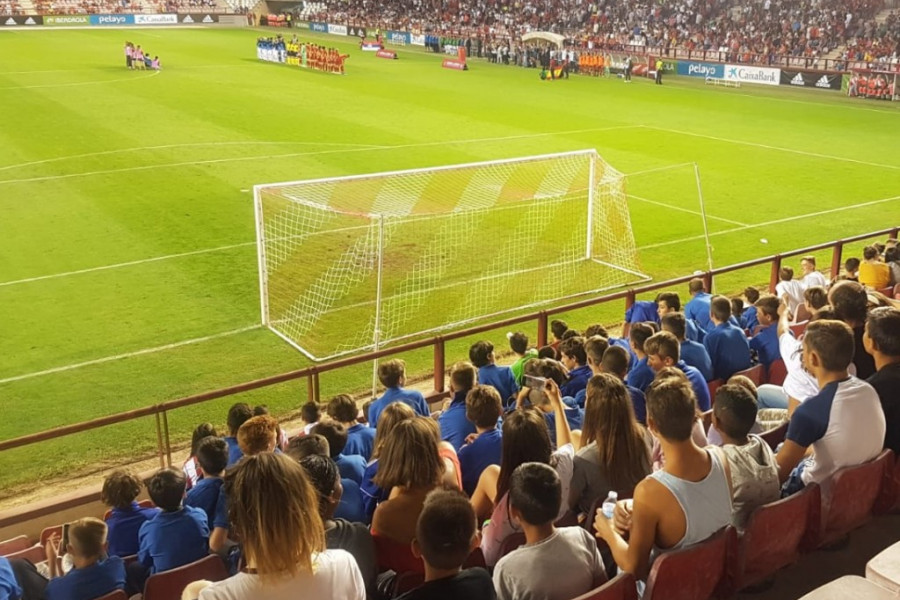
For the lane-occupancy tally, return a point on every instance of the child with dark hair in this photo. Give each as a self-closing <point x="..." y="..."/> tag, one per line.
<point x="341" y="533"/>
<point x="352" y="466"/>
<point x="558" y="329"/>
<point x="535" y="569"/>
<point x="445" y="536"/>
<point x="481" y="354"/>
<point x="538" y="398"/>
<point x="640" y="374"/>
<point x="455" y="427"/>
<point x="483" y="410"/>
<point x="754" y="473"/>
<point x="191" y="474"/>
<point x="765" y="343"/>
<point x="392" y="375"/>
<point x="360" y="438"/>
<point x="547" y="352"/>
<point x="789" y="287"/>
<point x="237" y="414"/>
<point x="177" y="536"/>
<point x="518" y="343"/>
<point x="301" y="447"/>
<point x="120" y="490"/>
<point x="574" y="358"/>
<point x="212" y="458"/>
<point x="851" y="269"/>
<point x="310" y="413"/>
<point x="748" y="318"/>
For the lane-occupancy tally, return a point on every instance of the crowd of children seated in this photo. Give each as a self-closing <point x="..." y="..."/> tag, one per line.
<point x="360" y="496"/>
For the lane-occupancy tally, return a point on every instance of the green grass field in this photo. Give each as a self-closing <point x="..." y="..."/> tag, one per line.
<point x="128" y="271"/>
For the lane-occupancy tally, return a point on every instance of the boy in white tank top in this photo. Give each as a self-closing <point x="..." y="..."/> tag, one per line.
<point x="682" y="504"/>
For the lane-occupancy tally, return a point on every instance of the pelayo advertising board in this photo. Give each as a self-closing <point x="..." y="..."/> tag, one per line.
<point x="700" y="69"/>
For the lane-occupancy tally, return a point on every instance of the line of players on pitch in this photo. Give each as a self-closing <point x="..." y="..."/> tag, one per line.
<point x="136" y="58"/>
<point x="306" y="55"/>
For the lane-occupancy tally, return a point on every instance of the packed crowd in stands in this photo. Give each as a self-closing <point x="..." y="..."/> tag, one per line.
<point x="665" y="416"/>
<point x="79" y="7"/>
<point x="759" y="32"/>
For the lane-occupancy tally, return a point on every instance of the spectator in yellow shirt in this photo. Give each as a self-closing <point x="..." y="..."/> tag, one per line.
<point x="872" y="272"/>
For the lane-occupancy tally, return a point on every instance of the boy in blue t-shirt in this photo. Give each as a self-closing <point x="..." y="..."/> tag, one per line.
<point x="360" y="438"/>
<point x="237" y="415"/>
<point x="574" y="358"/>
<point x="94" y="573"/>
<point x="483" y="410"/>
<point x="212" y="458"/>
<point x="482" y="356"/>
<point x="765" y="343"/>
<point x="640" y="376"/>
<point x="120" y="489"/>
<point x="175" y="537"/>
<point x="455" y="427"/>
<point x="350" y="466"/>
<point x="392" y="375"/>
<point x="9" y="587"/>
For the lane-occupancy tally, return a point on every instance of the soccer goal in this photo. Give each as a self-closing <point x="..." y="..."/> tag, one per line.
<point x="350" y="264"/>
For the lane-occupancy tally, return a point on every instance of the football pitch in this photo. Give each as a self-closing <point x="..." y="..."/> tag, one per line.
<point x="128" y="270"/>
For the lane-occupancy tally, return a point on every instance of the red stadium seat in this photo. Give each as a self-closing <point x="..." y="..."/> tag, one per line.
<point x="713" y="386"/>
<point x="887" y="292"/>
<point x="799" y="329"/>
<point x="803" y="313"/>
<point x="773" y="437"/>
<point x="142" y="504"/>
<point x="756" y="374"/>
<point x="890" y="487"/>
<point x="777" y="372"/>
<point x="511" y="542"/>
<point x="621" y="587"/>
<point x="49" y="532"/>
<point x="851" y="497"/>
<point x="409" y="580"/>
<point x="116" y="595"/>
<point x="775" y="534"/>
<point x="14" y="545"/>
<point x="169" y="585"/>
<point x="394" y="556"/>
<point x="676" y="576"/>
<point x="897" y="291"/>
<point x="35" y="554"/>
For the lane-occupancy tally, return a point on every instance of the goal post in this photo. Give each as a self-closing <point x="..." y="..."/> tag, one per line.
<point x="350" y="264"/>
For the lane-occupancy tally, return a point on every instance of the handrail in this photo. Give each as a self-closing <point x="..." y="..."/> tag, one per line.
<point x="437" y="343"/>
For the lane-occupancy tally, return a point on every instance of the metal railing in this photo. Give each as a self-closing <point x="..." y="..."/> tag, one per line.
<point x="437" y="343"/>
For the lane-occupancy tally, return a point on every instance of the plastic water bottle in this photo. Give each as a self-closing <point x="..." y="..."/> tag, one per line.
<point x="609" y="505"/>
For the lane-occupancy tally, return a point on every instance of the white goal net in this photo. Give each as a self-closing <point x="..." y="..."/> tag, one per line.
<point x="350" y="264"/>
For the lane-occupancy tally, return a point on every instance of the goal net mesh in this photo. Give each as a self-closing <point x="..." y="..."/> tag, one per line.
<point x="354" y="263"/>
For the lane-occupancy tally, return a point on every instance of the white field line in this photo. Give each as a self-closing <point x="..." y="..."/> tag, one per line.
<point x="115" y="357"/>
<point x="773" y="222"/>
<point x="778" y="148"/>
<point x="56" y="85"/>
<point x="687" y="210"/>
<point x="188" y="145"/>
<point x="130" y="263"/>
<point x="317" y="153"/>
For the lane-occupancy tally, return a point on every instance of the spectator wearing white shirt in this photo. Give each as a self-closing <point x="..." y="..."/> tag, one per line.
<point x="790" y="288"/>
<point x="811" y="277"/>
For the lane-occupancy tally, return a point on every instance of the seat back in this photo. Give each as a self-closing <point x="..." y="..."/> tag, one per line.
<point x="773" y="437"/>
<point x="511" y="542"/>
<point x="34" y="554"/>
<point x="774" y="535"/>
<point x="169" y="585"/>
<point x="890" y="492"/>
<point x="799" y="329"/>
<point x="621" y="587"/>
<point x="115" y="595"/>
<point x="756" y="374"/>
<point x="14" y="545"/>
<point x="676" y="575"/>
<point x="409" y="580"/>
<point x="852" y="496"/>
<point x="395" y="556"/>
<point x="777" y="372"/>
<point x="713" y="386"/>
<point x="49" y="532"/>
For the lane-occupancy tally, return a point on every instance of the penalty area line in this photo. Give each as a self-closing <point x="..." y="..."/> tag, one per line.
<point x="115" y="357"/>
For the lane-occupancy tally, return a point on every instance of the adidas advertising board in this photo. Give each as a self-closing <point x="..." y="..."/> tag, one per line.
<point x="10" y="21"/>
<point x="811" y="79"/>
<point x="752" y="74"/>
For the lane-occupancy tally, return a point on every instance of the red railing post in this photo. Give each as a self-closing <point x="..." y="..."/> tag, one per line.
<point x="166" y="440"/>
<point x="775" y="273"/>
<point x="440" y="360"/>
<point x="836" y="259"/>
<point x="312" y="385"/>
<point x="708" y="282"/>
<point x="542" y="329"/>
<point x="159" y="442"/>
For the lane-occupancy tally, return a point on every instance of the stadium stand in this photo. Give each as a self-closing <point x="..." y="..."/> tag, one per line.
<point x="821" y="514"/>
